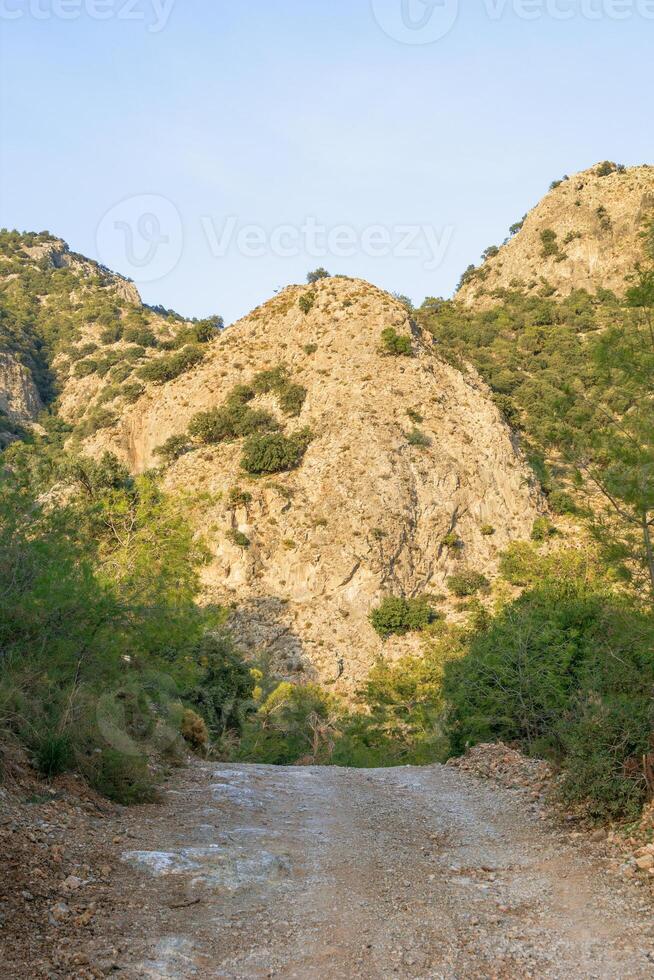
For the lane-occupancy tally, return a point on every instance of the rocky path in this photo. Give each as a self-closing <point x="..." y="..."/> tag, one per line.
<point x="251" y="871"/>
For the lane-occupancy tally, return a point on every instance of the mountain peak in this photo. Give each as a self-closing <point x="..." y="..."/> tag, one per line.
<point x="586" y="233"/>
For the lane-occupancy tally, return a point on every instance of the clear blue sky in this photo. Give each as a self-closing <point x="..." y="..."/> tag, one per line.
<point x="278" y="111"/>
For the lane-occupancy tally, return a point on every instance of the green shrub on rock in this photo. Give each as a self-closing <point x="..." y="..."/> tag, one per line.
<point x="467" y="583"/>
<point x="173" y="449"/>
<point x="141" y="335"/>
<point x="169" y="367"/>
<point x="276" y="381"/>
<point x="395" y="344"/>
<point x="99" y="418"/>
<point x="542" y="529"/>
<point x="239" y="539"/>
<point x="239" y="498"/>
<point x="233" y="420"/>
<point x="274" y="453"/>
<point x="549" y="242"/>
<point x="317" y="275"/>
<point x="307" y="301"/>
<point x="132" y="392"/>
<point x="396" y="616"/>
<point x="419" y="439"/>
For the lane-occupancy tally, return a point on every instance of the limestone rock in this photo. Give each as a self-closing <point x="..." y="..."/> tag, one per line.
<point x="367" y="513"/>
<point x="598" y="222"/>
<point x="19" y="396"/>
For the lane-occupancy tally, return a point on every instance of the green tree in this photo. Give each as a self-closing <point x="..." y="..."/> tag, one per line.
<point x="317" y="274"/>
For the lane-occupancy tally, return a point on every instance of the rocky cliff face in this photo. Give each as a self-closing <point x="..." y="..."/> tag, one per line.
<point x="368" y="512"/>
<point x="587" y="233"/>
<point x="19" y="396"/>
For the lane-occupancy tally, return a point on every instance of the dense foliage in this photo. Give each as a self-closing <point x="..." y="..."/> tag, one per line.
<point x="565" y="671"/>
<point x="101" y="640"/>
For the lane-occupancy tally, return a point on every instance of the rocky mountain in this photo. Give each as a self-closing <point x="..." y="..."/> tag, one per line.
<point x="406" y="472"/>
<point x="587" y="233"/>
<point x="409" y="476"/>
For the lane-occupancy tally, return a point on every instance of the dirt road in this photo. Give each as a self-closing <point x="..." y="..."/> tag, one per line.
<point x="251" y="871"/>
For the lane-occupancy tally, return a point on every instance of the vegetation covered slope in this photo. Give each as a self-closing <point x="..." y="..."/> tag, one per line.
<point x="75" y="337"/>
<point x="574" y="377"/>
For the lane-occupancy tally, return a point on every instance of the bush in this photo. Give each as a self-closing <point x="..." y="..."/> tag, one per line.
<point x="562" y="502"/>
<point x="487" y="530"/>
<point x="239" y="498"/>
<point x="543" y="529"/>
<point x="548" y="238"/>
<point x="467" y="583"/>
<point x="194" y="731"/>
<point x="142" y="336"/>
<point x="507" y="409"/>
<point x="316" y="275"/>
<point x="396" y="616"/>
<point x="168" y="368"/>
<point x="132" y="392"/>
<point x="225" y="686"/>
<point x="517" y="227"/>
<point x="53" y="754"/>
<point x="112" y="334"/>
<point x="173" y="449"/>
<point x="85" y="368"/>
<point x="234" y="420"/>
<point x="121" y="372"/>
<point x="395" y="344"/>
<point x="120" y="777"/>
<point x="292" y="398"/>
<point x="294" y="724"/>
<point x="198" y="332"/>
<point x="99" y="418"/>
<point x="404" y="710"/>
<point x="565" y="671"/>
<point x="239" y="539"/>
<point x="306" y="302"/>
<point x="468" y="276"/>
<point x="276" y="453"/>
<point x="419" y="439"/>
<point x="452" y="540"/>
<point x="276" y="381"/>
<point x="607" y="168"/>
<point x="94" y="591"/>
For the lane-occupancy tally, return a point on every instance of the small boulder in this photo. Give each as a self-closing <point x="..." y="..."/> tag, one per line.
<point x="59" y="913"/>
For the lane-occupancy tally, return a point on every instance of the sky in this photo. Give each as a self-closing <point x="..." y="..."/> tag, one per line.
<point x="216" y="151"/>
